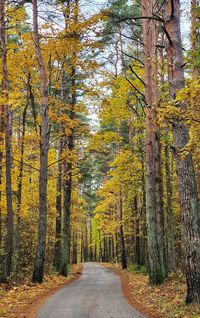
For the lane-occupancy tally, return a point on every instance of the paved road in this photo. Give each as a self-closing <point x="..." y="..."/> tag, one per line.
<point x="97" y="294"/>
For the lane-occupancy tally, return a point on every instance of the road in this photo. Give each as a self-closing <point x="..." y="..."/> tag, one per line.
<point x="97" y="294"/>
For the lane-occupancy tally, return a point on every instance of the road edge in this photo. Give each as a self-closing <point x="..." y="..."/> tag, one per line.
<point x="35" y="305"/>
<point x="141" y="308"/>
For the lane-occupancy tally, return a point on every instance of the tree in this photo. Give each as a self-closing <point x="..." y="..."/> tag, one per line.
<point x="155" y="226"/>
<point x="185" y="169"/>
<point x="44" y="146"/>
<point x="7" y="131"/>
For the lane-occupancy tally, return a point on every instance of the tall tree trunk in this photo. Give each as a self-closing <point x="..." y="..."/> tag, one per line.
<point x="100" y="247"/>
<point x="159" y="203"/>
<point x="44" y="146"/>
<point x="169" y="214"/>
<point x="104" y="249"/>
<point x="57" y="251"/>
<point x="95" y="253"/>
<point x="137" y="232"/>
<point x="74" y="251"/>
<point x="113" y="248"/>
<point x="85" y="244"/>
<point x="116" y="247"/>
<point x="169" y="234"/>
<point x="19" y="192"/>
<point x="67" y="184"/>
<point x="158" y="169"/>
<point x="82" y="238"/>
<point x="67" y="164"/>
<point x="156" y="265"/>
<point x="67" y="190"/>
<point x="189" y="202"/>
<point x="91" y="242"/>
<point x="144" y="242"/>
<point x="121" y="233"/>
<point x="7" y="131"/>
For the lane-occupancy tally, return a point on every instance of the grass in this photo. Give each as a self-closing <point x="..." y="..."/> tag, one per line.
<point x="132" y="267"/>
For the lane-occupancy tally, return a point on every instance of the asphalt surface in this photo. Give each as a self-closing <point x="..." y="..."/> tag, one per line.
<point x="97" y="294"/>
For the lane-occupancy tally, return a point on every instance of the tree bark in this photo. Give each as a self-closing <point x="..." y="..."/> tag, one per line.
<point x="19" y="192"/>
<point x="188" y="196"/>
<point x="85" y="244"/>
<point x="157" y="154"/>
<point x="91" y="242"/>
<point x="44" y="146"/>
<point x="154" y="209"/>
<point x="137" y="244"/>
<point x="75" y="250"/>
<point x="169" y="214"/>
<point x="159" y="202"/>
<point x="67" y="189"/>
<point x="67" y="183"/>
<point x="67" y="164"/>
<point x="57" y="251"/>
<point x="144" y="241"/>
<point x="121" y="233"/>
<point x="7" y="131"/>
<point x="100" y="247"/>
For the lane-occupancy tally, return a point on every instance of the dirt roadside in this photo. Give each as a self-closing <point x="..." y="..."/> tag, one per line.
<point x="25" y="301"/>
<point x="163" y="301"/>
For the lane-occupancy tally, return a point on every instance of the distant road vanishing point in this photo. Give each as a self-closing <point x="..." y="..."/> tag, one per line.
<point x="97" y="294"/>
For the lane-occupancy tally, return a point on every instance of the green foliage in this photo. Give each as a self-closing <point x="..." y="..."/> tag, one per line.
<point x="132" y="267"/>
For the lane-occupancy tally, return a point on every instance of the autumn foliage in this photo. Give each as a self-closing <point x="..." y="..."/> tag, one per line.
<point x="99" y="139"/>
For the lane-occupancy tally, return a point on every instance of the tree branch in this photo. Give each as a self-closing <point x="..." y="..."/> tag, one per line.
<point x="140" y="79"/>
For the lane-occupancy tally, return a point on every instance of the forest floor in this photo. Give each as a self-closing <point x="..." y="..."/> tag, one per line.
<point x="163" y="301"/>
<point x="24" y="300"/>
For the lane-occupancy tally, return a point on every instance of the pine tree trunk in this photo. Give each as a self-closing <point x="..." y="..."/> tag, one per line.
<point x="153" y="203"/>
<point x="19" y="193"/>
<point x="116" y="247"/>
<point x="82" y="249"/>
<point x="113" y="248"/>
<point x="57" y="251"/>
<point x="188" y="196"/>
<point x="121" y="233"/>
<point x="144" y="242"/>
<point x="104" y="249"/>
<point x="85" y="246"/>
<point x="7" y="131"/>
<point x="158" y="158"/>
<point x="169" y="214"/>
<point x="75" y="251"/>
<point x="100" y="248"/>
<point x="137" y="232"/>
<point x="44" y="146"/>
<point x="67" y="189"/>
<point x="67" y="184"/>
<point x="159" y="203"/>
<point x="95" y="253"/>
<point x="91" y="243"/>
<point x="67" y="165"/>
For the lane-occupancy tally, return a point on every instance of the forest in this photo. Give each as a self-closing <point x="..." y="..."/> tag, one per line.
<point x="100" y="138"/>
